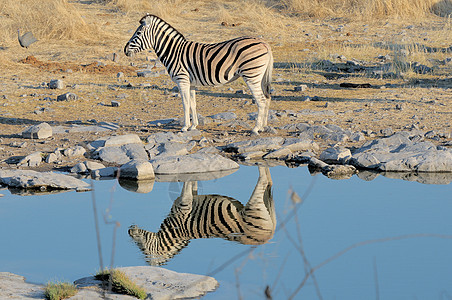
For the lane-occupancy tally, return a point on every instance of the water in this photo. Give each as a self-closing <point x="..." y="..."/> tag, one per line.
<point x="385" y="238"/>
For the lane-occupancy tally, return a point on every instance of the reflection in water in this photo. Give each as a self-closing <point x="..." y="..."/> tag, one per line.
<point x="196" y="216"/>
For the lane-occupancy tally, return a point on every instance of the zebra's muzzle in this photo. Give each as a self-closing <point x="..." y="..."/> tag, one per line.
<point x="127" y="51"/>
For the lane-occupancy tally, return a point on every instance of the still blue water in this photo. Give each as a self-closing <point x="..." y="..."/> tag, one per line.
<point x="397" y="236"/>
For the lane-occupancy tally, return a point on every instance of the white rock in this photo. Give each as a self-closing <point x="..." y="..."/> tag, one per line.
<point x="29" y="179"/>
<point x="137" y="169"/>
<point x="31" y="160"/>
<point x="192" y="163"/>
<point x="40" y="131"/>
<point x="13" y="286"/>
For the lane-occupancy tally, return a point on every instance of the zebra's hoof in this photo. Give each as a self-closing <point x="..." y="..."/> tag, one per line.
<point x="192" y="128"/>
<point x="184" y="129"/>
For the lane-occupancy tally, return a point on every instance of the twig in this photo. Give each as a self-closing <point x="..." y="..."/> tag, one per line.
<point x="96" y="223"/>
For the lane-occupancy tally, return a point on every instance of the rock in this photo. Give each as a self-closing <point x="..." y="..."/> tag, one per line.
<point x="115" y="103"/>
<point x="357" y="137"/>
<point x="298" y="145"/>
<point x="260" y="144"/>
<point x="332" y="171"/>
<point x="93" y="165"/>
<point x="75" y="151"/>
<point x="119" y="140"/>
<point x="56" y="84"/>
<point x="104" y="172"/>
<point x="150" y="73"/>
<point x="278" y="154"/>
<point x="169" y="149"/>
<point x="337" y="155"/>
<point x="31" y="160"/>
<point x="159" y="284"/>
<point x="79" y="168"/>
<point x="13" y="286"/>
<point x="51" y="158"/>
<point x="224" y="116"/>
<point x="398" y="153"/>
<point x="121" y="154"/>
<point x="192" y="163"/>
<point x="28" y="179"/>
<point x="40" y="131"/>
<point x="300" y="88"/>
<point x="86" y="167"/>
<point x="67" y="97"/>
<point x="252" y="155"/>
<point x="137" y="170"/>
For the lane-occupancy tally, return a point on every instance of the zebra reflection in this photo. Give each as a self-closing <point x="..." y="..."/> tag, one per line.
<point x="194" y="216"/>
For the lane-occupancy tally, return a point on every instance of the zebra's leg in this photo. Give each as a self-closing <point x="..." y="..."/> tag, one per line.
<point x="184" y="90"/>
<point x="267" y="108"/>
<point x="194" y="114"/>
<point x="260" y="210"/>
<point x="255" y="86"/>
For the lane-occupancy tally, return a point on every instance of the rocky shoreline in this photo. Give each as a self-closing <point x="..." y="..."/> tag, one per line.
<point x="337" y="153"/>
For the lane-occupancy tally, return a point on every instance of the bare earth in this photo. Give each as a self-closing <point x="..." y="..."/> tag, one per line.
<point x="415" y="102"/>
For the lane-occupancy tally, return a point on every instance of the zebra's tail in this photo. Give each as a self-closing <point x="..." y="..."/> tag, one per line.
<point x="267" y="80"/>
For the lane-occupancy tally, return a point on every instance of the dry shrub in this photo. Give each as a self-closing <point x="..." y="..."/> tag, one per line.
<point x="364" y="9"/>
<point x="47" y="19"/>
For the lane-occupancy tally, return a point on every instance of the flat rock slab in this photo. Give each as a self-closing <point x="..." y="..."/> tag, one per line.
<point x="13" y="286"/>
<point x="99" y="127"/>
<point x="192" y="163"/>
<point x="159" y="283"/>
<point x="399" y="153"/>
<point x="29" y="179"/>
<point x="260" y="144"/>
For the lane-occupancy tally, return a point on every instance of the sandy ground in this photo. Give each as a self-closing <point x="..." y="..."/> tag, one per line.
<point x="416" y="101"/>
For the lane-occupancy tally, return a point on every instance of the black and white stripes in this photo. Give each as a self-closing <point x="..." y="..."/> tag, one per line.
<point x="196" y="216"/>
<point x="193" y="64"/>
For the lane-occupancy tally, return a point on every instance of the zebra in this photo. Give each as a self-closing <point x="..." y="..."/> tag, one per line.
<point x="194" y="216"/>
<point x="192" y="64"/>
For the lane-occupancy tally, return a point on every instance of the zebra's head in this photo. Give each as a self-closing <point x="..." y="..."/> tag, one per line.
<point x="140" y="40"/>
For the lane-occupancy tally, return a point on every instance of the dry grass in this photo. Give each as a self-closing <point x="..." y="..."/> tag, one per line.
<point x="49" y="19"/>
<point x="365" y="9"/>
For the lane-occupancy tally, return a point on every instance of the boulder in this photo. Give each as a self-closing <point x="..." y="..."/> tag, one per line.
<point x="40" y="131"/>
<point x="337" y="155"/>
<point x="137" y="170"/>
<point x="31" y="160"/>
<point x="104" y="172"/>
<point x="192" y="163"/>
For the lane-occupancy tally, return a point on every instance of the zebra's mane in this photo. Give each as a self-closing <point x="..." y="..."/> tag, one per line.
<point x="160" y="20"/>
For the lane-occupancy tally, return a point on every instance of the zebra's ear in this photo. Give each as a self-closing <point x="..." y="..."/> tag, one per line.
<point x="145" y="20"/>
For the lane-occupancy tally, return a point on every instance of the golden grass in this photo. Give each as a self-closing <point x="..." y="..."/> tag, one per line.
<point x="365" y="9"/>
<point x="121" y="283"/>
<point x="50" y="19"/>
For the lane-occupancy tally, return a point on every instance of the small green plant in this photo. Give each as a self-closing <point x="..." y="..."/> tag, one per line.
<point x="120" y="283"/>
<point x="60" y="290"/>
